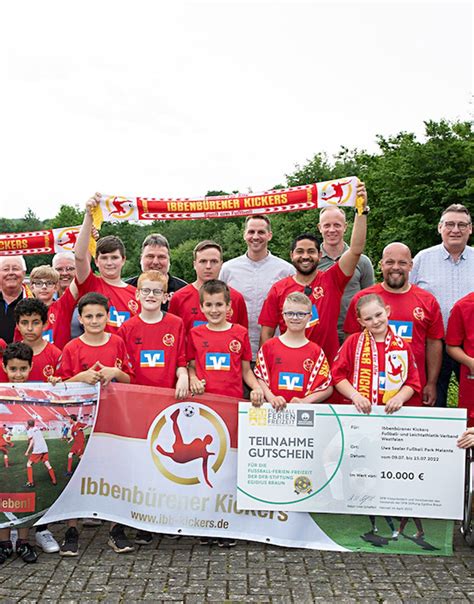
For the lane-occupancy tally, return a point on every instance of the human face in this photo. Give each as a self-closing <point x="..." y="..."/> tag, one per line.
<point x="207" y="264"/>
<point x="455" y="238"/>
<point x="305" y="257"/>
<point x="12" y="274"/>
<point x="374" y="318"/>
<point x="155" y="258"/>
<point x="44" y="290"/>
<point x="150" y="295"/>
<point x="93" y="318"/>
<point x="257" y="235"/>
<point x="31" y="328"/>
<point x="67" y="270"/>
<point x="215" y="309"/>
<point x="110" y="265"/>
<point x="396" y="265"/>
<point x="300" y="313"/>
<point x="17" y="370"/>
<point x="332" y="226"/>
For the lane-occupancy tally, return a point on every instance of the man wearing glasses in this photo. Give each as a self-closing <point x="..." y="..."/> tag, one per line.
<point x="447" y="271"/>
<point x="63" y="263"/>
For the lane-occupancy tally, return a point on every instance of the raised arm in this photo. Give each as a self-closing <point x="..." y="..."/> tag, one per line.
<point x="350" y="258"/>
<point x="81" y="248"/>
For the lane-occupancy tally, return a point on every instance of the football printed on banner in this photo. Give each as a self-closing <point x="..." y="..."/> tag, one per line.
<point x="188" y="443"/>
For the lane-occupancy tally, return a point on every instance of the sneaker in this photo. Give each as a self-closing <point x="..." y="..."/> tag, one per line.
<point x="206" y="540"/>
<point x="118" y="540"/>
<point x="70" y="545"/>
<point x="395" y="535"/>
<point x="221" y="542"/>
<point x="30" y="485"/>
<point x="143" y="538"/>
<point x="6" y="550"/>
<point x="46" y="541"/>
<point x="68" y="474"/>
<point x="419" y="535"/>
<point x="91" y="522"/>
<point x="26" y="552"/>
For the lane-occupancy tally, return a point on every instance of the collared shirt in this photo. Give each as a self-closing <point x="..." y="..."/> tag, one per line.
<point x="363" y="277"/>
<point x="253" y="279"/>
<point x="435" y="270"/>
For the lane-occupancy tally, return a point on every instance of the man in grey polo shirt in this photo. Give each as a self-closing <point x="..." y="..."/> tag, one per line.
<point x="332" y="226"/>
<point x="447" y="271"/>
<point x="255" y="272"/>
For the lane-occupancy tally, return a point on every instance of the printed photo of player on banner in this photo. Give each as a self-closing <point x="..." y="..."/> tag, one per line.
<point x="164" y="466"/>
<point x="43" y="434"/>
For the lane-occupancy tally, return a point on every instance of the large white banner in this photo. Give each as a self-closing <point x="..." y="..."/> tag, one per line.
<point x="330" y="458"/>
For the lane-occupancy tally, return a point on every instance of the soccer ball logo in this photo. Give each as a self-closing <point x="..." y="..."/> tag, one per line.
<point x="189" y="411"/>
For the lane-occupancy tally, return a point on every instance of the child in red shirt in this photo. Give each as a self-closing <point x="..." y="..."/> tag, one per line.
<point x="291" y="368"/>
<point x="219" y="352"/>
<point x="155" y="339"/>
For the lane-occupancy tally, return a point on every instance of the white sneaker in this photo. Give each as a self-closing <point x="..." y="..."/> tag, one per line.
<point x="395" y="534"/>
<point x="46" y="541"/>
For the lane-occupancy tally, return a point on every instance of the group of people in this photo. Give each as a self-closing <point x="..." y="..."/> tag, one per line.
<point x="312" y="330"/>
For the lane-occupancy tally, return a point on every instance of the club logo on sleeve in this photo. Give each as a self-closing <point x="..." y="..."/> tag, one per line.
<point x="48" y="335"/>
<point x="217" y="361"/>
<point x="152" y="358"/>
<point x="314" y="319"/>
<point x="402" y="329"/>
<point x="117" y="317"/>
<point x="290" y="381"/>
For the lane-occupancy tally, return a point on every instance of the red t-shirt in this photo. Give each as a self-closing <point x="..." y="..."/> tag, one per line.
<point x="155" y="349"/>
<point x="343" y="368"/>
<point x="218" y="356"/>
<point x="327" y="289"/>
<point x="185" y="304"/>
<point x="415" y="316"/>
<point x="58" y="328"/>
<point x="460" y="332"/>
<point x="78" y="356"/>
<point x="122" y="300"/>
<point x="45" y="364"/>
<point x="77" y="433"/>
<point x="290" y="372"/>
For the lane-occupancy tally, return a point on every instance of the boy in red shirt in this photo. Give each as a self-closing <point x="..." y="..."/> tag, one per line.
<point x="291" y="368"/>
<point x="219" y="352"/>
<point x="95" y="356"/>
<point x="109" y="258"/>
<point x="155" y="339"/>
<point x="31" y="316"/>
<point x="460" y="346"/>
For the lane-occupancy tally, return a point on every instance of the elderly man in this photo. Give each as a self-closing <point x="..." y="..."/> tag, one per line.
<point x="13" y="289"/>
<point x="155" y="256"/>
<point x="332" y="226"/>
<point x="63" y="263"/>
<point x="415" y="315"/>
<point x="447" y="271"/>
<point x="324" y="288"/>
<point x="255" y="272"/>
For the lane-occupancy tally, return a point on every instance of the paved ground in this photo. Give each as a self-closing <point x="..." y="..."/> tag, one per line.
<point x="184" y="571"/>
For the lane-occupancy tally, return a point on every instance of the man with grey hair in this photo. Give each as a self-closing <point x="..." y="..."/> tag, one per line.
<point x="155" y="256"/>
<point x="12" y="290"/>
<point x="332" y="226"/>
<point x="447" y="271"/>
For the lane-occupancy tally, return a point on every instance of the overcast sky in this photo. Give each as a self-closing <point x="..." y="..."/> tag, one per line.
<point x="174" y="99"/>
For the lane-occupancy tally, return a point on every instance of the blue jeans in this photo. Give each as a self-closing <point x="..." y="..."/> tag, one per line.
<point x="448" y="365"/>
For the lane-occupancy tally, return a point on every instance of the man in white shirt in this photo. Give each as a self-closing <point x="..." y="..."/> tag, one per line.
<point x="253" y="273"/>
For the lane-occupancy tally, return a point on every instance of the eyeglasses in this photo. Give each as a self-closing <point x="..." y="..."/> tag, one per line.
<point x="146" y="291"/>
<point x="307" y="290"/>
<point x="42" y="284"/>
<point x="462" y="226"/>
<point x="66" y="269"/>
<point x="295" y="315"/>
